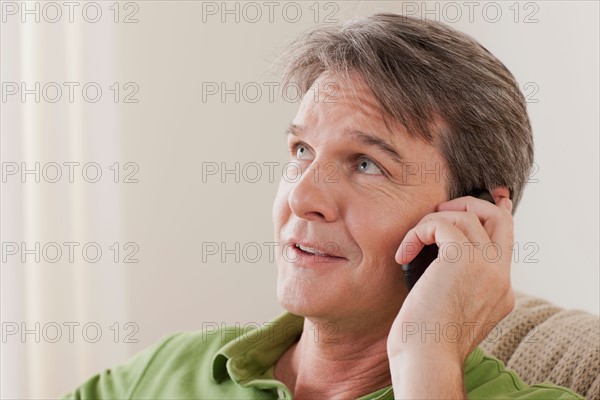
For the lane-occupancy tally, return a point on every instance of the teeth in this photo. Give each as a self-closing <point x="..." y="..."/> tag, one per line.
<point x="310" y="250"/>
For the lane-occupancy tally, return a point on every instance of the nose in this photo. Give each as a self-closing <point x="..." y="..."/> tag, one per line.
<point x="312" y="196"/>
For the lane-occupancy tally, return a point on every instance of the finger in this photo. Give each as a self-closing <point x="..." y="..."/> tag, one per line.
<point x="466" y="221"/>
<point x="496" y="219"/>
<point x="439" y="231"/>
<point x="498" y="223"/>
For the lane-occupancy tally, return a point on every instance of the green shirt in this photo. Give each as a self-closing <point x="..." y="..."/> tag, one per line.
<point x="237" y="363"/>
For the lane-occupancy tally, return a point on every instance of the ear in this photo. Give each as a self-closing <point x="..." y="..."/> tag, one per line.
<point x="499" y="193"/>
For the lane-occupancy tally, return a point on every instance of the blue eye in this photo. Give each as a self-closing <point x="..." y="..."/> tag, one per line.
<point x="302" y="151"/>
<point x="367" y="166"/>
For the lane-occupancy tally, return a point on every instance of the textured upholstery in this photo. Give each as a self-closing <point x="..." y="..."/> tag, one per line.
<point x="543" y="342"/>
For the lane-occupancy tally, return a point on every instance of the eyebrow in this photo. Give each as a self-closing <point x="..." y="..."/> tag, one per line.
<point x="362" y="137"/>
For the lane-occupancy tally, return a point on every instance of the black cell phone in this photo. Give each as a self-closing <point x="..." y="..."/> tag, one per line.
<point x="414" y="269"/>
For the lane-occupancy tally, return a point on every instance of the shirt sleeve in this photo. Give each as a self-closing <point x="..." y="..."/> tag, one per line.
<point x="121" y="381"/>
<point x="492" y="380"/>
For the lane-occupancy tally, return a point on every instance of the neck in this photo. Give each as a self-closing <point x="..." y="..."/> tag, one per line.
<point x="331" y="360"/>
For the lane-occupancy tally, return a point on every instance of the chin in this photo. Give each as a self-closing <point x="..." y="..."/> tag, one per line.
<point x="304" y="297"/>
<point x="294" y="298"/>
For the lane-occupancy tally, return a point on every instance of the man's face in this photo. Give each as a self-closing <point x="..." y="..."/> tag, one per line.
<point x="346" y="195"/>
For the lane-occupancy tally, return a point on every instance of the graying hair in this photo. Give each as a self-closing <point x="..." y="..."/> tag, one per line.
<point x="441" y="84"/>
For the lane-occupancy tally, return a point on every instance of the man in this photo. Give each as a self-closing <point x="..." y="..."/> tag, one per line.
<point x="385" y="98"/>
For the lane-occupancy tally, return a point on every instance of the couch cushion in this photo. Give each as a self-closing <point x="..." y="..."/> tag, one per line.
<point x="543" y="342"/>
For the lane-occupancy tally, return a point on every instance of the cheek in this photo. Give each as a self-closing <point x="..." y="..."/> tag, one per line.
<point x="378" y="228"/>
<point x="281" y="210"/>
<point x="378" y="233"/>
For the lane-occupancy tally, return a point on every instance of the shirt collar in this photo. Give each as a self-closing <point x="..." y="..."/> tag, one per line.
<point x="249" y="355"/>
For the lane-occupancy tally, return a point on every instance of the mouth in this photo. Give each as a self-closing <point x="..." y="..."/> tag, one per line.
<point x="312" y="254"/>
<point x="311" y="250"/>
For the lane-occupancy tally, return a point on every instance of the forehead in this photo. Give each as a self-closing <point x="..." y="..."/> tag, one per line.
<point x="345" y="101"/>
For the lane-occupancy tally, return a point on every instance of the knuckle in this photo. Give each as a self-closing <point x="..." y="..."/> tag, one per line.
<point x="505" y="214"/>
<point x="426" y="218"/>
<point x="472" y="216"/>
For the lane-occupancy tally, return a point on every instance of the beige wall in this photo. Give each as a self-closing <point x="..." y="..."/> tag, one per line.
<point x="172" y="134"/>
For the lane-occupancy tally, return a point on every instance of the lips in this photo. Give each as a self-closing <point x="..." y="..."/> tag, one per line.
<point x="316" y="248"/>
<point x="310" y="250"/>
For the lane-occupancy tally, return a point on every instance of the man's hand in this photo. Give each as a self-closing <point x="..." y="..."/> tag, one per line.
<point x="463" y="294"/>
